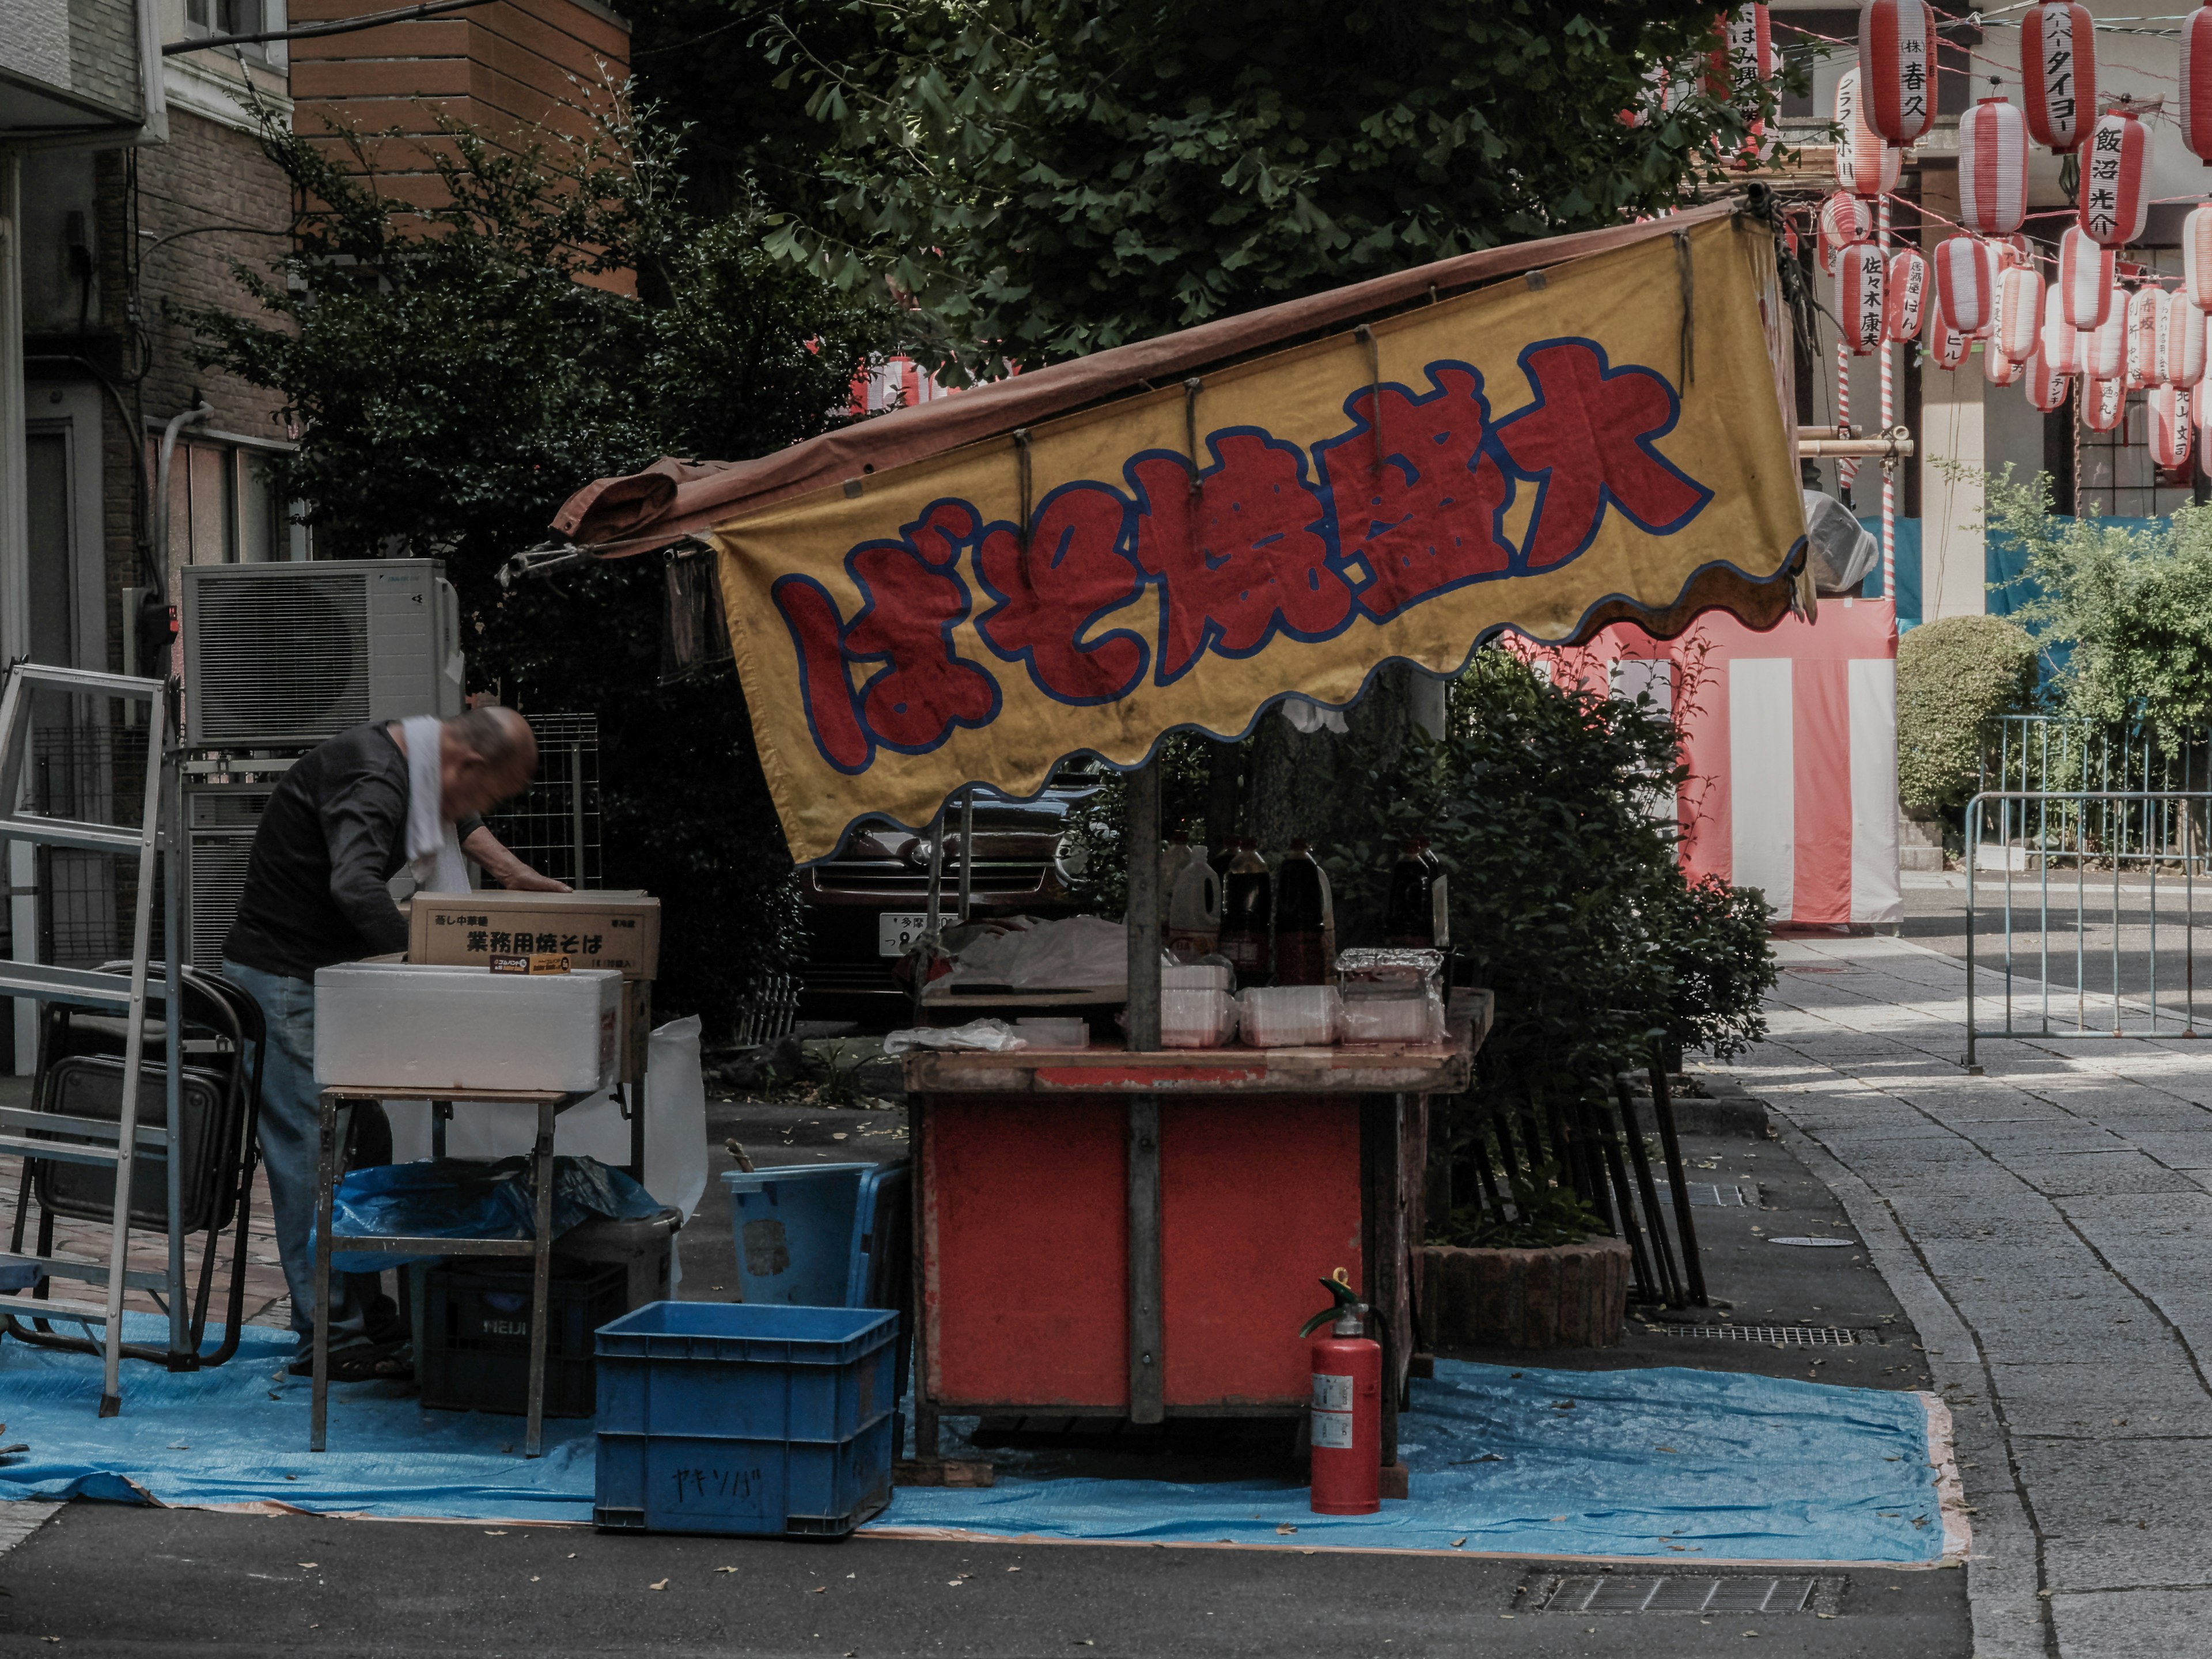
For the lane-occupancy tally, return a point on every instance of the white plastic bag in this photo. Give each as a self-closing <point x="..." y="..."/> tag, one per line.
<point x="675" y="1123"/>
<point x="993" y="1037"/>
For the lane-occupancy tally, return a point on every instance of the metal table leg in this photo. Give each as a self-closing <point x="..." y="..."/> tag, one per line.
<point x="325" y="1184"/>
<point x="534" y="1436"/>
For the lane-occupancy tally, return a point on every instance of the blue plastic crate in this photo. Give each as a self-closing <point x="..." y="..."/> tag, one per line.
<point x="745" y="1417"/>
<point x="793" y="1231"/>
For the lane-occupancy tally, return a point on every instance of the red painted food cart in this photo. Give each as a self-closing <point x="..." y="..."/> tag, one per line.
<point x="1178" y="534"/>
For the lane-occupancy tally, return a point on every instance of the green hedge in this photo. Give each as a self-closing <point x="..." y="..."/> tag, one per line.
<point x="1953" y="678"/>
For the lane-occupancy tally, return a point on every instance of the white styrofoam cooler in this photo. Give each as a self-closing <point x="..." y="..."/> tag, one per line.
<point x="415" y="1025"/>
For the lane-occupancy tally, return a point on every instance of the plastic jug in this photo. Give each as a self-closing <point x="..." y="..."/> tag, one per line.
<point x="1304" y="920"/>
<point x="1194" y="907"/>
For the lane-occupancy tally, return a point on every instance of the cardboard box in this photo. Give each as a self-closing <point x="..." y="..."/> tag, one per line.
<point x="620" y="930"/>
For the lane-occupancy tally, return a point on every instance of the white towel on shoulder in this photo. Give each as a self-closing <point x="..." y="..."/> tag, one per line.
<point x="433" y="850"/>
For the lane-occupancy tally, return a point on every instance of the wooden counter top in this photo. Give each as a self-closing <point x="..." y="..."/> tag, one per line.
<point x="1426" y="1068"/>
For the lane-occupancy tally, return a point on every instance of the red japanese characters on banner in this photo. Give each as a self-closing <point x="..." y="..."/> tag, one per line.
<point x="1897" y="52"/>
<point x="1859" y="275"/>
<point x="2181" y="341"/>
<point x="1844" y="219"/>
<point x="2195" y="111"/>
<point x="2196" y="256"/>
<point x="2107" y="357"/>
<point x="2047" y="386"/>
<point x="2058" y="72"/>
<point x="2170" y="433"/>
<point x="1992" y="168"/>
<point x="2061" y="345"/>
<point x="2143" y="307"/>
<point x="1865" y="164"/>
<point x="1965" y="283"/>
<point x="1905" y="297"/>
<point x="2085" y="278"/>
<point x="2019" y="307"/>
<point x="2115" y="203"/>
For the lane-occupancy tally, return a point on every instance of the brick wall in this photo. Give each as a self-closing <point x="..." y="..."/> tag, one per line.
<point x="508" y="68"/>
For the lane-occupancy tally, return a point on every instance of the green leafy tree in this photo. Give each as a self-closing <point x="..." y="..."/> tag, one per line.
<point x="2133" y="604"/>
<point x="1046" y="177"/>
<point x="457" y="371"/>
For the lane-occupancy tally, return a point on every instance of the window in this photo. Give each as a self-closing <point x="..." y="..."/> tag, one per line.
<point x="222" y="506"/>
<point x="233" y="17"/>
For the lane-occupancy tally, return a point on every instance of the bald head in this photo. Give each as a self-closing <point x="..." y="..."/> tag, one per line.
<point x="485" y="756"/>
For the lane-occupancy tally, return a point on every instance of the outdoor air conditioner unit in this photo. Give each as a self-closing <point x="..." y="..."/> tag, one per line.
<point x="219" y="820"/>
<point x="285" y="655"/>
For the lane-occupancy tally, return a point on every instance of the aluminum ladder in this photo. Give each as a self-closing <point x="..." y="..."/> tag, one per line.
<point x="118" y="1144"/>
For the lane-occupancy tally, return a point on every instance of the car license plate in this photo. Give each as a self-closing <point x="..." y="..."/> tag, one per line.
<point x="897" y="930"/>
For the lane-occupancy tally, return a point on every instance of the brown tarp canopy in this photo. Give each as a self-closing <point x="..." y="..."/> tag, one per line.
<point x="675" y="499"/>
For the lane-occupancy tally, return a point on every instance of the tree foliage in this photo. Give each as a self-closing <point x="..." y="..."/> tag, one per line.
<point x="1954" y="676"/>
<point x="2131" y="603"/>
<point x="455" y="372"/>
<point x="1047" y="177"/>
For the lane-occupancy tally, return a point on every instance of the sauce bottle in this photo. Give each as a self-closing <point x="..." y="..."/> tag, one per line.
<point x="1418" y="916"/>
<point x="1303" y="921"/>
<point x="1247" y="898"/>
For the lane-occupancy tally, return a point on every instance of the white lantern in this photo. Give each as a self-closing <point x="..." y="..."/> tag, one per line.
<point x="1965" y="283"/>
<point x="2143" y="307"/>
<point x="2103" y="402"/>
<point x="2085" y="277"/>
<point x="2046" y="388"/>
<point x="2061" y="345"/>
<point x="2169" y="426"/>
<point x="2115" y="194"/>
<point x="1844" y="219"/>
<point x="1992" y="168"/>
<point x="2196" y="256"/>
<point x="2108" y="344"/>
<point x="2184" y="341"/>
<point x="1865" y="165"/>
<point x="1905" y="291"/>
<point x="2020" y="308"/>
<point x="1858" y="297"/>
<point x="1946" y="345"/>
<point x="2058" y="74"/>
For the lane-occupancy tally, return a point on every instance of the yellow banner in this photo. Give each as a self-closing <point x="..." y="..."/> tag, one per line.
<point x="1527" y="456"/>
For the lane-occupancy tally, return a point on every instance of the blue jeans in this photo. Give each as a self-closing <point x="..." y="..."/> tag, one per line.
<point x="291" y="1136"/>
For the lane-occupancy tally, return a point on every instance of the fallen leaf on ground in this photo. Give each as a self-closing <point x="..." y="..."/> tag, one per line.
<point x="494" y="1535"/>
<point x="1009" y="1570"/>
<point x="1285" y="1528"/>
<point x="819" y="1589"/>
<point x="662" y="1585"/>
<point x="1457" y="1543"/>
<point x="311" y="1563"/>
<point x="717" y="1569"/>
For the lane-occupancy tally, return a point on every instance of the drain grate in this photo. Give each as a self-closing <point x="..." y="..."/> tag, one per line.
<point x="1780" y="1336"/>
<point x="1673" y="1593"/>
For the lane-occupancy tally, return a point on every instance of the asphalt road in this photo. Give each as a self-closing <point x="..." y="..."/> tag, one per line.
<point x="110" y="1580"/>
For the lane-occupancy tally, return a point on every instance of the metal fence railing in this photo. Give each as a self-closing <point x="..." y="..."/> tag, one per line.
<point x="554" y="826"/>
<point x="2060" y="786"/>
<point x="2085" y="943"/>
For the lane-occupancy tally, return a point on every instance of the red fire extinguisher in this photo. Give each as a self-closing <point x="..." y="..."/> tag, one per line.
<point x="1347" y="1406"/>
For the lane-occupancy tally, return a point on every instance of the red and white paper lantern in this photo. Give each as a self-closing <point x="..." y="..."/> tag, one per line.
<point x="1844" y="219"/>
<point x="1905" y="297"/>
<point x="2196" y="256"/>
<point x="1992" y="168"/>
<point x="2106" y="357"/>
<point x="2169" y="426"/>
<point x="1858" y="297"/>
<point x="2114" y="193"/>
<point x="1747" y="48"/>
<point x="1946" y="344"/>
<point x="2194" y="109"/>
<point x="2103" y="402"/>
<point x="2181" y="342"/>
<point x="2047" y="386"/>
<point x="1865" y="165"/>
<point x="2058" y="70"/>
<point x="1965" y="283"/>
<point x="2020" y="297"/>
<point x="2200" y="411"/>
<point x="2085" y="278"/>
<point x="2144" y="306"/>
<point x="1998" y="368"/>
<point x="2061" y="344"/>
<point x="1897" y="51"/>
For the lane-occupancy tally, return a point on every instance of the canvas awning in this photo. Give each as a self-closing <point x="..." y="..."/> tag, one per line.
<point x="1179" y="532"/>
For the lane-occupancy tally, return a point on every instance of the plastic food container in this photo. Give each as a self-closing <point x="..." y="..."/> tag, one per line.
<point x="1197" y="1019"/>
<point x="1055" y="1033"/>
<point x="412" y="1026"/>
<point x="1291" y="1016"/>
<point x="1392" y="1014"/>
<point x="1194" y="975"/>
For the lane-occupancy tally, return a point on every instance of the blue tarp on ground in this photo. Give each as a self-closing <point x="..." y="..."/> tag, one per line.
<point x="1669" y="1464"/>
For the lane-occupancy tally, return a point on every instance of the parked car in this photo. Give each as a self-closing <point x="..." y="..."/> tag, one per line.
<point x="865" y="908"/>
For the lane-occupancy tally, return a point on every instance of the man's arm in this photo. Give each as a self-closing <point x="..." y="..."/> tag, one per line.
<point x="360" y="821"/>
<point x="503" y="867"/>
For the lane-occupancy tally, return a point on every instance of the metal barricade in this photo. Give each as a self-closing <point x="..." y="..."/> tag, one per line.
<point x="2109" y="975"/>
<point x="2064" y="786"/>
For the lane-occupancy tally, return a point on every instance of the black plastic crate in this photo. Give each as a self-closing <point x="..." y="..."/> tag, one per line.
<point x="474" y="1352"/>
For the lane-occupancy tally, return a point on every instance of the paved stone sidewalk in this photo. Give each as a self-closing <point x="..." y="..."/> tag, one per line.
<point x="2048" y="1226"/>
